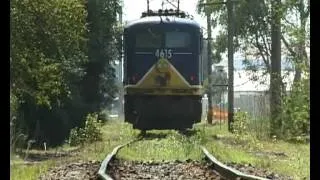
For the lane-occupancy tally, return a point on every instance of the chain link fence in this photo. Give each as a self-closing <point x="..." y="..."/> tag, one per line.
<point x="255" y="103"/>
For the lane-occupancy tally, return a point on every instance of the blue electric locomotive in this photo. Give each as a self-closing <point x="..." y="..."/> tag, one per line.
<point x="162" y="71"/>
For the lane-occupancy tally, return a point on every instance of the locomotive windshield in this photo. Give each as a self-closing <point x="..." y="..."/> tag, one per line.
<point x="154" y="39"/>
<point x="148" y="39"/>
<point x="177" y="40"/>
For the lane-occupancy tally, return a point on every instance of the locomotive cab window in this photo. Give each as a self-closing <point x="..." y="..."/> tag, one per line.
<point x="177" y="40"/>
<point x="148" y="39"/>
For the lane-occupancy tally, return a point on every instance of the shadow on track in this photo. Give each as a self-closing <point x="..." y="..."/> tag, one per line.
<point x="152" y="135"/>
<point x="161" y="135"/>
<point x="188" y="132"/>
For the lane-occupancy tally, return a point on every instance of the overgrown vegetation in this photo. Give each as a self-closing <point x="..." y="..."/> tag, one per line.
<point x="90" y="133"/>
<point x="61" y="55"/>
<point x="278" y="156"/>
<point x="296" y="111"/>
<point x="285" y="158"/>
<point x="269" y="34"/>
<point x="240" y="124"/>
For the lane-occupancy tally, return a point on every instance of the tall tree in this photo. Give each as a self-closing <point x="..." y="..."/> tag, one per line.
<point x="254" y="34"/>
<point x="98" y="86"/>
<point x="295" y="35"/>
<point x="46" y="52"/>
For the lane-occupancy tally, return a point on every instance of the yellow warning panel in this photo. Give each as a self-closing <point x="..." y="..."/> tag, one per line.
<point x="163" y="75"/>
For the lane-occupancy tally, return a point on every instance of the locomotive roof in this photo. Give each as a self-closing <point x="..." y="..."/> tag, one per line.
<point x="165" y="19"/>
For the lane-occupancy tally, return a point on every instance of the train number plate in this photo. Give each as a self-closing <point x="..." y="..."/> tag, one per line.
<point x="163" y="53"/>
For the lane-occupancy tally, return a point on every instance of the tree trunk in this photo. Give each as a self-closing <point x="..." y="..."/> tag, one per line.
<point x="302" y="59"/>
<point x="275" y="79"/>
<point x="230" y="7"/>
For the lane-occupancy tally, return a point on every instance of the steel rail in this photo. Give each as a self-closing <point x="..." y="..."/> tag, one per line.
<point x="102" y="173"/>
<point x="222" y="169"/>
<point x="228" y="172"/>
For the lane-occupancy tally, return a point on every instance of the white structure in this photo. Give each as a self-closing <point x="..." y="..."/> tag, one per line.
<point x="204" y="106"/>
<point x="252" y="95"/>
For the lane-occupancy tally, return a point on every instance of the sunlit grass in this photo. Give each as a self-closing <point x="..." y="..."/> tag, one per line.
<point x="29" y="172"/>
<point x="294" y="159"/>
<point x="170" y="145"/>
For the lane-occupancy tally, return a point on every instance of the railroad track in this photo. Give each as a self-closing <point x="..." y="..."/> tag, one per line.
<point x="114" y="169"/>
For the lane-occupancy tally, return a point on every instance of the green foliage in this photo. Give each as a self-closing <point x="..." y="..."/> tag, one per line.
<point x="47" y="50"/>
<point x="13" y="104"/>
<point x="241" y="123"/>
<point x="52" y="47"/>
<point x="103" y="116"/>
<point x="296" y="111"/>
<point x="98" y="86"/>
<point x="253" y="20"/>
<point x="17" y="138"/>
<point x="90" y="133"/>
<point x="219" y="46"/>
<point x="260" y="127"/>
<point x="46" y="43"/>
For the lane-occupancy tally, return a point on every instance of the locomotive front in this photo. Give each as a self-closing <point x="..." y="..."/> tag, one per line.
<point x="162" y="73"/>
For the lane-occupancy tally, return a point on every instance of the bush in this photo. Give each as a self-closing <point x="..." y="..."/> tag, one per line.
<point x="296" y="111"/>
<point x="241" y="123"/>
<point x="103" y="116"/>
<point x="89" y="134"/>
<point x="17" y="138"/>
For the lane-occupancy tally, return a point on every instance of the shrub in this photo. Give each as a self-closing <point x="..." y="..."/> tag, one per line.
<point x="90" y="133"/>
<point x="241" y="122"/>
<point x="103" y="116"/>
<point x="17" y="138"/>
<point x="296" y="111"/>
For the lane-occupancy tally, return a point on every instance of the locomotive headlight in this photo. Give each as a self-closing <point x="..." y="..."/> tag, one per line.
<point x="193" y="78"/>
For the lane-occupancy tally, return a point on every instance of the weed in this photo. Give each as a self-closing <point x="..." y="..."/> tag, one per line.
<point x="89" y="134"/>
<point x="240" y="124"/>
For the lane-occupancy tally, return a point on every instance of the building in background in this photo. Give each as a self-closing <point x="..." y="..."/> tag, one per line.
<point x="251" y="89"/>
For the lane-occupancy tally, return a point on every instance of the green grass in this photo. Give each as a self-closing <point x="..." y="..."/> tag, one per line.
<point x="29" y="172"/>
<point x="114" y="133"/>
<point x="167" y="145"/>
<point x="170" y="145"/>
<point x="294" y="161"/>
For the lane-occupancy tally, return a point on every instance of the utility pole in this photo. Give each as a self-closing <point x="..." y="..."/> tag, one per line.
<point x="178" y="5"/>
<point x="209" y="114"/>
<point x="230" y="63"/>
<point x="121" y="92"/>
<point x="230" y="7"/>
<point x="275" y="77"/>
